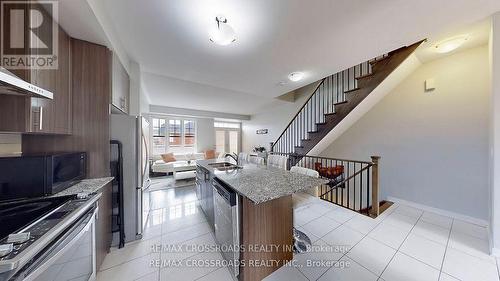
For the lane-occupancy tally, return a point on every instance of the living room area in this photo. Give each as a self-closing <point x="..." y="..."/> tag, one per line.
<point x="177" y="142"/>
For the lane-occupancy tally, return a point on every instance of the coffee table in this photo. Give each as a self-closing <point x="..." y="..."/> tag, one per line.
<point x="184" y="170"/>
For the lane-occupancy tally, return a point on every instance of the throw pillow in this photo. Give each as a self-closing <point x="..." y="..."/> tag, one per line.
<point x="169" y="157"/>
<point x="210" y="154"/>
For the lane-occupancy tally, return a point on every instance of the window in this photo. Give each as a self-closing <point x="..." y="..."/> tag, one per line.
<point x="159" y="133"/>
<point x="220" y="141"/>
<point x="173" y="135"/>
<point x="189" y="133"/>
<point x="226" y="125"/>
<point x="227" y="137"/>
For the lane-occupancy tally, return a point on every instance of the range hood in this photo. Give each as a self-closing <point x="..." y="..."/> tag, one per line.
<point x="13" y="85"/>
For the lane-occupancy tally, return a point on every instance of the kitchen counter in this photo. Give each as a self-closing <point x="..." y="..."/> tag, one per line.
<point x="85" y="186"/>
<point x="263" y="212"/>
<point x="261" y="183"/>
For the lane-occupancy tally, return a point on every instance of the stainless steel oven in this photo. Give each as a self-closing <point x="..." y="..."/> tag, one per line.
<point x="71" y="256"/>
<point x="227" y="223"/>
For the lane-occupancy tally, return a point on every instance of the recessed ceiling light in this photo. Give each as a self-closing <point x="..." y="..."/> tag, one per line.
<point x="222" y="33"/>
<point x="450" y="44"/>
<point x="296" y="76"/>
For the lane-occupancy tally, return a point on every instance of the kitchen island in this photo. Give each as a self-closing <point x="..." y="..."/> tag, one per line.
<point x="264" y="212"/>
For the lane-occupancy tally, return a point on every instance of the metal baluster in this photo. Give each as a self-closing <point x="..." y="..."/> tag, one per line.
<point x="354" y="186"/>
<point x="294" y="137"/>
<point x="361" y="189"/>
<point x="368" y="189"/>
<point x="341" y="189"/>
<point x="328" y="93"/>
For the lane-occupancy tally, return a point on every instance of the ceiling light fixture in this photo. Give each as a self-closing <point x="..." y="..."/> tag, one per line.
<point x="222" y="34"/>
<point x="450" y="44"/>
<point x="296" y="76"/>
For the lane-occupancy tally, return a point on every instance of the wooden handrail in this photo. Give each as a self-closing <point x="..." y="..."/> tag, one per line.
<point x="367" y="200"/>
<point x="298" y="112"/>
<point x="320" y="157"/>
<point x="348" y="179"/>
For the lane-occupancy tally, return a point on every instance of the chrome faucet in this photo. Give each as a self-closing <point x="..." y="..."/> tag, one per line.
<point x="232" y="155"/>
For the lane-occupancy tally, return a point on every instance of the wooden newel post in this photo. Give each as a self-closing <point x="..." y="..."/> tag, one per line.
<point x="375" y="203"/>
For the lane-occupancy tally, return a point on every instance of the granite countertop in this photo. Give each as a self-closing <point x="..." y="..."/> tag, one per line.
<point x="85" y="186"/>
<point x="261" y="183"/>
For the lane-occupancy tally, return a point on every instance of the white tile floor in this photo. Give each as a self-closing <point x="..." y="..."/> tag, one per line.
<point x="403" y="244"/>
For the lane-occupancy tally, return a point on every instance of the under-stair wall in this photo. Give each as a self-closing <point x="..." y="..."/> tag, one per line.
<point x="433" y="145"/>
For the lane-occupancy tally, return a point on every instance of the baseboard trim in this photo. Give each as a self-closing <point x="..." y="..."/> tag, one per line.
<point x="454" y="215"/>
<point x="495" y="252"/>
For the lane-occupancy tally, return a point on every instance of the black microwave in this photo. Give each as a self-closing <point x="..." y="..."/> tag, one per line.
<point x="40" y="175"/>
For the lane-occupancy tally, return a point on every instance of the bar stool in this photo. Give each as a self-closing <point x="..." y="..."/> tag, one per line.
<point x="301" y="241"/>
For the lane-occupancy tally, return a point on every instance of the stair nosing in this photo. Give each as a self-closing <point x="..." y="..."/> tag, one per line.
<point x="364" y="76"/>
<point x="342" y="102"/>
<point x="377" y="61"/>
<point x="352" y="90"/>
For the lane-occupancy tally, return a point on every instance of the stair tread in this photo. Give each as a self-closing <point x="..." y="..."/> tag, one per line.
<point x="379" y="60"/>
<point x="364" y="76"/>
<point x="352" y="90"/>
<point x="342" y="102"/>
<point x="321" y="123"/>
<point x="331" y="113"/>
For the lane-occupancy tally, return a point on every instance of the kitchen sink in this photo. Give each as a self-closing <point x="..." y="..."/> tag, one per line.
<point x="224" y="166"/>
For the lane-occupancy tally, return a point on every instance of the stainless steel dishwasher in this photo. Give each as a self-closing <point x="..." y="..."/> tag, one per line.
<point x="227" y="223"/>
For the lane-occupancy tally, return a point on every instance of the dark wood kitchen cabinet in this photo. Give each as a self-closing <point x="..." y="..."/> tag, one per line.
<point x="38" y="115"/>
<point x="103" y="225"/>
<point x="91" y="92"/>
<point x="53" y="116"/>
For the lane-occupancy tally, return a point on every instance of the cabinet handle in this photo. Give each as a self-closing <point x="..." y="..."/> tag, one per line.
<point x="41" y="118"/>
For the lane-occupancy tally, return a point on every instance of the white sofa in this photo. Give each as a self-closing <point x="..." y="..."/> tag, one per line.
<point x="159" y="166"/>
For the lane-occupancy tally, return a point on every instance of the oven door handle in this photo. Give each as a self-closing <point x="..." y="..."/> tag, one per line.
<point x="51" y="255"/>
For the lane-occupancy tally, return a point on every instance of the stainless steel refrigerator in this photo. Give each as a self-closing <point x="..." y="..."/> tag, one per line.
<point x="133" y="133"/>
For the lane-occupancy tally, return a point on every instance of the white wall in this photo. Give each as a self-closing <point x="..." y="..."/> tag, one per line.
<point x="167" y="110"/>
<point x="434" y="146"/>
<point x="10" y="144"/>
<point x="275" y="118"/>
<point x="144" y="101"/>
<point x="495" y="134"/>
<point x="172" y="92"/>
<point x="205" y="133"/>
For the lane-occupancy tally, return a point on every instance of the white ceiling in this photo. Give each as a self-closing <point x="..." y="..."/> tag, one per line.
<point x="78" y="19"/>
<point x="168" y="38"/>
<point x="274" y="38"/>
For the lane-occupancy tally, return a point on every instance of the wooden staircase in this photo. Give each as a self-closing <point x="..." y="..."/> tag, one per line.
<point x="326" y="108"/>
